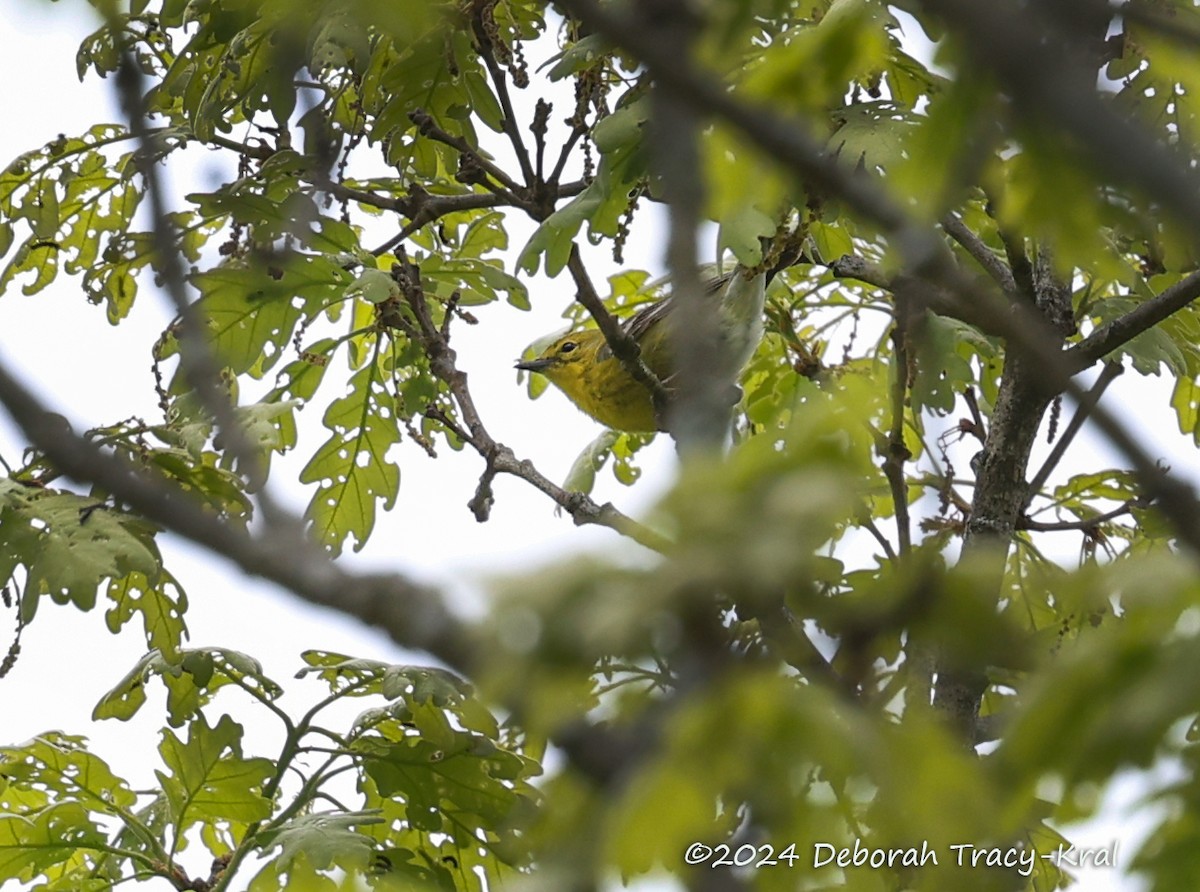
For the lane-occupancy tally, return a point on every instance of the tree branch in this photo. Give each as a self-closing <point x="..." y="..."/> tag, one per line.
<point x="1018" y="259"/>
<point x="698" y="414"/>
<point x="623" y="347"/>
<point x="895" y="453"/>
<point x="1086" y="525"/>
<point x="577" y="132"/>
<point x="427" y="127"/>
<point x="979" y="429"/>
<point x="498" y="457"/>
<point x="538" y="127"/>
<point x="932" y="297"/>
<point x="371" y="199"/>
<point x="199" y="365"/>
<point x="981" y="253"/>
<point x="262" y="151"/>
<point x="412" y="615"/>
<point x="998" y="501"/>
<point x="870" y="526"/>
<point x="423" y="208"/>
<point x="851" y="266"/>
<point x="509" y="120"/>
<point x="1112" y="335"/>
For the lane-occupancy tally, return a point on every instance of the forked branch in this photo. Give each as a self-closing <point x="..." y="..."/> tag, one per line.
<point x="500" y="459"/>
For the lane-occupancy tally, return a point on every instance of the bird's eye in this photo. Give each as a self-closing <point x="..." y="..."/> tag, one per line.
<point x="567" y="347"/>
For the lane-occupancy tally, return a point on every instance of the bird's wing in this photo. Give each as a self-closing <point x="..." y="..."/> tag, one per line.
<point x="646" y="318"/>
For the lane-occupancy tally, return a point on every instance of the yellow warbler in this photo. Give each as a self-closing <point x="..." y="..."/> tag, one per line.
<point x="583" y="367"/>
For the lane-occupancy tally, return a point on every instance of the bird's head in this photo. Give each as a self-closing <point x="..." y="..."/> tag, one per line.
<point x="566" y="357"/>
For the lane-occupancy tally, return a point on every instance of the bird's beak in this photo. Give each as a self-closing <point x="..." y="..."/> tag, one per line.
<point x="534" y="365"/>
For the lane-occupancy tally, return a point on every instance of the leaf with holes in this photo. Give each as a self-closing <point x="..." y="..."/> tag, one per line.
<point x="429" y="775"/>
<point x="1185" y="400"/>
<point x="60" y="763"/>
<point x="32" y="844"/>
<point x="191" y="679"/>
<point x="73" y="199"/>
<point x="253" y="310"/>
<point x="352" y="467"/>
<point x="323" y="840"/>
<point x="197" y="472"/>
<point x="582" y="476"/>
<point x="161" y="603"/>
<point x="75" y="543"/>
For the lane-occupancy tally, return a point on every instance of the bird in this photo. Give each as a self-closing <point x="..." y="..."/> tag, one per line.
<point x="582" y="365"/>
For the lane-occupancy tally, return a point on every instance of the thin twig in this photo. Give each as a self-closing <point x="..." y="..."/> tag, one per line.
<point x="427" y="127"/>
<point x="500" y="459"/>
<point x="373" y="199"/>
<point x="1083" y="409"/>
<point x="423" y="208"/>
<point x="623" y="347"/>
<point x="430" y="211"/>
<point x="980" y="426"/>
<point x="869" y="525"/>
<point x="1085" y="525"/>
<point x="541" y="120"/>
<point x="577" y="132"/>
<point x="509" y="121"/>
<point x="262" y="151"/>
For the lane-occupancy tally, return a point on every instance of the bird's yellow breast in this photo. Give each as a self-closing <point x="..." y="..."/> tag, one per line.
<point x="606" y="391"/>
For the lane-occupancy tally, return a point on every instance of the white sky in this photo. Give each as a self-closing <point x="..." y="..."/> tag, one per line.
<point x="96" y="374"/>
